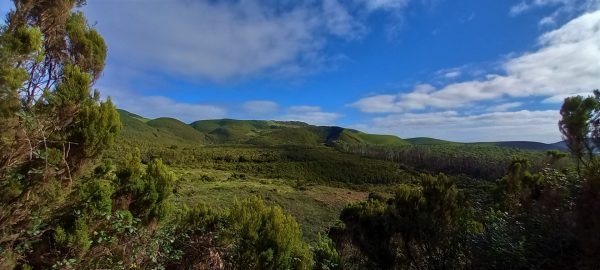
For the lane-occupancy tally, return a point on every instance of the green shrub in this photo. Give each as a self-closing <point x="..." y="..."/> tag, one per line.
<point x="267" y="238"/>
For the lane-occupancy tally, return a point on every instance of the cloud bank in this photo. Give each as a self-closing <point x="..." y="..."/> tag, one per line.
<point x="228" y="40"/>
<point x="567" y="62"/>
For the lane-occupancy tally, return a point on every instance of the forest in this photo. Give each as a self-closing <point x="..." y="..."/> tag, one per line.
<point x="84" y="185"/>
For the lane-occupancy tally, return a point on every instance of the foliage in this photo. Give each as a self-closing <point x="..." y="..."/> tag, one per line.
<point x="580" y="126"/>
<point x="414" y="230"/>
<point x="53" y="127"/>
<point x="145" y="192"/>
<point x="486" y="162"/>
<point x="266" y="238"/>
<point x="325" y="254"/>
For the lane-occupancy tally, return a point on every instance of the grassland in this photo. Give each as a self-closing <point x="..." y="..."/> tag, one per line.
<point x="294" y="165"/>
<point x="315" y="207"/>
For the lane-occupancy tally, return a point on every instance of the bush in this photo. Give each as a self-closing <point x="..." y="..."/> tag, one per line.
<point x="267" y="238"/>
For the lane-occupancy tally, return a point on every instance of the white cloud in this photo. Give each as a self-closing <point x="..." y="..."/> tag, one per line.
<point x="451" y="125"/>
<point x="310" y="114"/>
<point x="340" y="22"/>
<point x="563" y="5"/>
<point x="562" y="9"/>
<point x="558" y="99"/>
<point x="567" y="62"/>
<point x="225" y="40"/>
<point x="205" y="39"/>
<point x="384" y="4"/>
<point x="452" y="74"/>
<point x="504" y="107"/>
<point x="519" y="8"/>
<point x="160" y="106"/>
<point x="260" y="107"/>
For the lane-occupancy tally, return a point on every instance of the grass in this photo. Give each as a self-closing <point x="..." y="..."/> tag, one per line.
<point x="177" y="129"/>
<point x="315" y="207"/>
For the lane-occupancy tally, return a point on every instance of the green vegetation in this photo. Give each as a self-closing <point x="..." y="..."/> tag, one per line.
<point x="77" y="193"/>
<point x="315" y="206"/>
<point x="254" y="132"/>
<point x="429" y="141"/>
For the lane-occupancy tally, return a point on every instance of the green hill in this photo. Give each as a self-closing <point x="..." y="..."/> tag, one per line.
<point x="374" y="139"/>
<point x="137" y="130"/>
<point x="169" y="131"/>
<point x="525" y="145"/>
<point x="309" y="135"/>
<point x="240" y="131"/>
<point x="177" y="129"/>
<point x="324" y="135"/>
<point x="255" y="132"/>
<point x="429" y="141"/>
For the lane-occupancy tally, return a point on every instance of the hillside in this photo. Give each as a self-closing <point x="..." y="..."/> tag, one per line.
<point x="239" y="131"/>
<point x="177" y="129"/>
<point x="255" y="132"/>
<point x="429" y="141"/>
<point x="139" y="130"/>
<point x="526" y="145"/>
<point x="270" y="133"/>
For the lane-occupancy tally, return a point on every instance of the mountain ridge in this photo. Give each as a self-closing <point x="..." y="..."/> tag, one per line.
<point x="274" y="132"/>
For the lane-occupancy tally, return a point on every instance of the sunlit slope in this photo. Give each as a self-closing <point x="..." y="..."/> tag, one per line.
<point x="270" y="133"/>
<point x="256" y="132"/>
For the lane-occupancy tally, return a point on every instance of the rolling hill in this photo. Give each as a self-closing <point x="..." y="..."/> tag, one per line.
<point x="254" y="132"/>
<point x="429" y="141"/>
<point x="270" y="133"/>
<point x="524" y="145"/>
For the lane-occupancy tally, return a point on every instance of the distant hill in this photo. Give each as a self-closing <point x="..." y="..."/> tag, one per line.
<point x="268" y="132"/>
<point x="144" y="131"/>
<point x="429" y="141"/>
<point x="177" y="129"/>
<point x="257" y="132"/>
<point x="524" y="145"/>
<point x="527" y="145"/>
<point x="563" y="145"/>
<point x="240" y="131"/>
<point x="325" y="135"/>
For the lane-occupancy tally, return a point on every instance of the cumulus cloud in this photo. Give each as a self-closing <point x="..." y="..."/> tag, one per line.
<point x="160" y="106"/>
<point x="567" y="62"/>
<point x="260" y="107"/>
<point x="206" y="39"/>
<point x="504" y="107"/>
<point x="384" y="4"/>
<point x="562" y="8"/>
<point x="225" y="40"/>
<point x="340" y="22"/>
<point x="526" y="5"/>
<point x="310" y="114"/>
<point x="494" y="126"/>
<point x="558" y="99"/>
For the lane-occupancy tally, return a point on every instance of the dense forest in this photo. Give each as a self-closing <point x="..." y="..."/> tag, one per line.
<point x="86" y="186"/>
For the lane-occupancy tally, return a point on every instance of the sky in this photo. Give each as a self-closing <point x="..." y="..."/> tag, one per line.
<point x="469" y="70"/>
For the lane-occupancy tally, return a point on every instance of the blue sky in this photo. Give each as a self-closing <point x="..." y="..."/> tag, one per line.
<point x="471" y="70"/>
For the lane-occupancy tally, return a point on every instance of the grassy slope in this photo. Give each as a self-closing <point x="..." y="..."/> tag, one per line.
<point x="136" y="131"/>
<point x="239" y="131"/>
<point x="177" y="129"/>
<point x="429" y="141"/>
<point x="376" y="139"/>
<point x="315" y="207"/>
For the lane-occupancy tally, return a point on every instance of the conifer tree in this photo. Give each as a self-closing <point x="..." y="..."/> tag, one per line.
<point x="53" y="126"/>
<point x="580" y="126"/>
